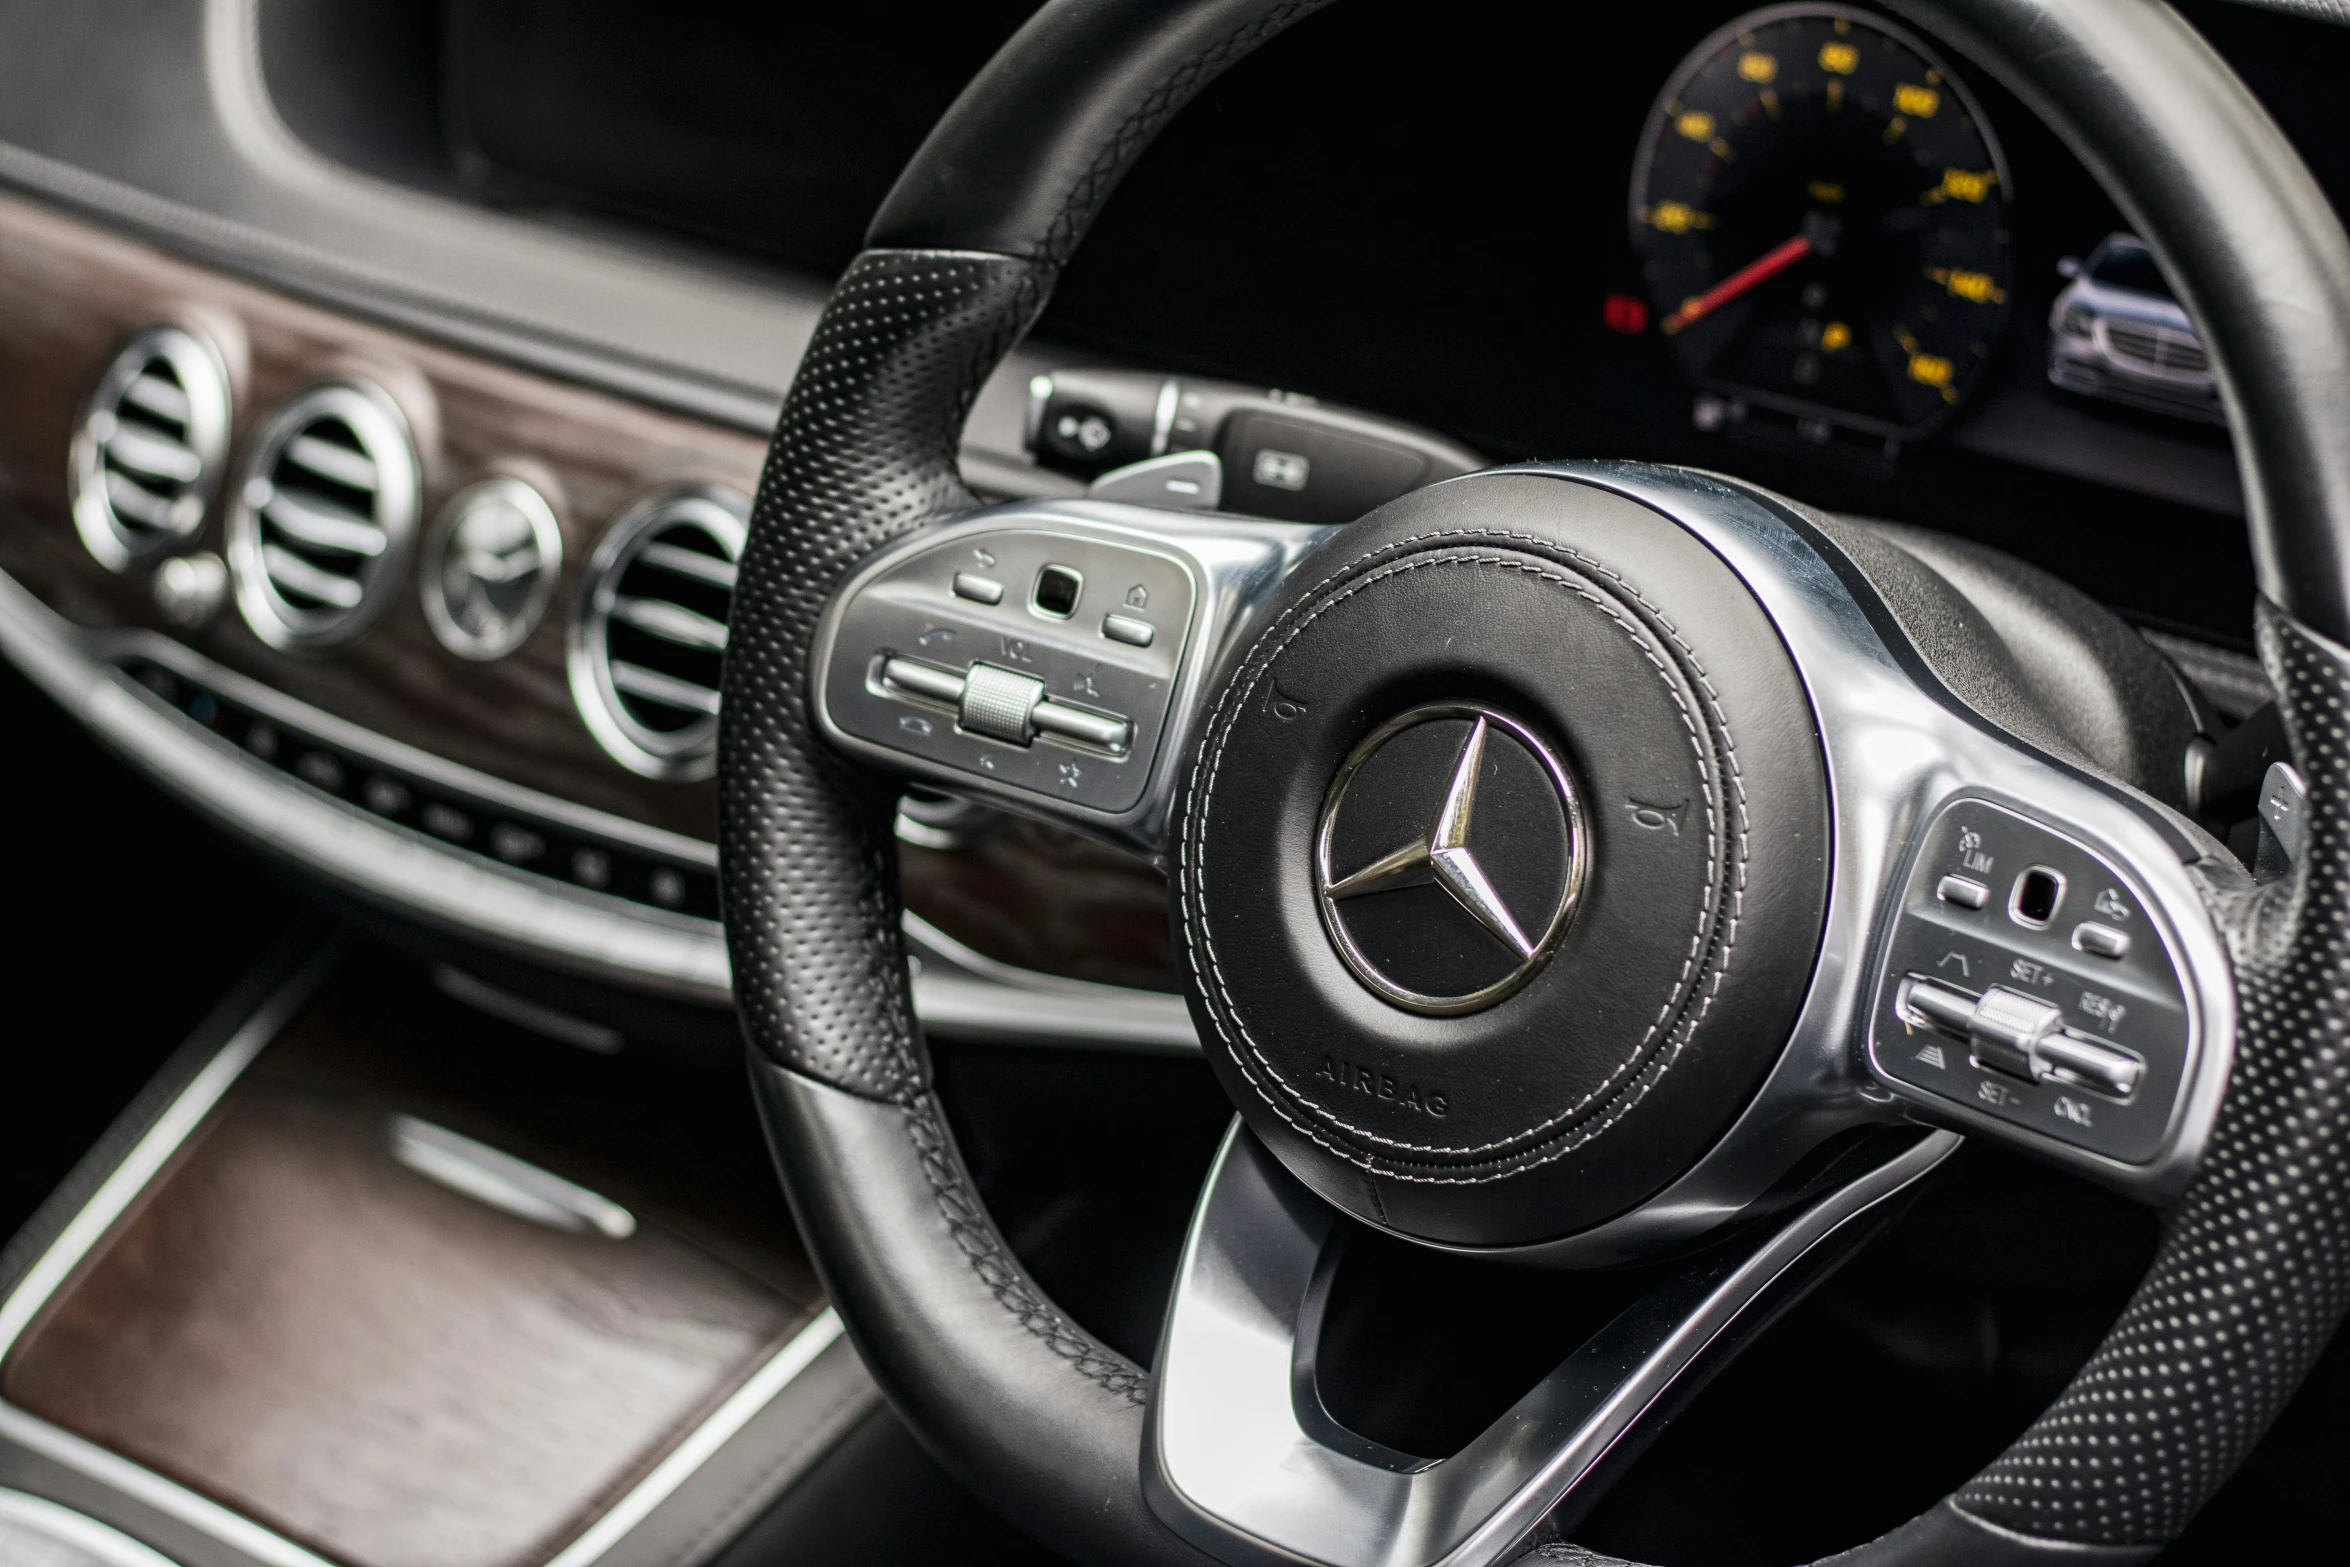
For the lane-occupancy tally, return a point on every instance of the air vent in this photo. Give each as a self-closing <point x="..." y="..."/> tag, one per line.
<point x="323" y="516"/>
<point x="147" y="455"/>
<point x="651" y="628"/>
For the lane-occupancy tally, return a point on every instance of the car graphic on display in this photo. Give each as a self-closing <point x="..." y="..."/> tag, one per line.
<point x="2118" y="333"/>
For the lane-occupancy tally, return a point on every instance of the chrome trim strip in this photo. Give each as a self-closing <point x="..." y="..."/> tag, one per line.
<point x="496" y="1179"/>
<point x="965" y="994"/>
<point x="150" y="1489"/>
<point x="956" y="991"/>
<point x="764" y="1385"/>
<point x="154" y="1149"/>
<point x="76" y="1531"/>
<point x="1231" y="1466"/>
<point x="522" y="1012"/>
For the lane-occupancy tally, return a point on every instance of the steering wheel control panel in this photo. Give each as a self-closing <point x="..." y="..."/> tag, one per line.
<point x="1040" y="659"/>
<point x="2028" y="981"/>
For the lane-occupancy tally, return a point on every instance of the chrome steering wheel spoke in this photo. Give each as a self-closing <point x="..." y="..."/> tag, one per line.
<point x="1049" y="656"/>
<point x="2014" y="947"/>
<point x="1241" y="1460"/>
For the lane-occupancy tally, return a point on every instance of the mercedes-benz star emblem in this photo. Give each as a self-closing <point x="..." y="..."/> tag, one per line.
<point x="1449" y="858"/>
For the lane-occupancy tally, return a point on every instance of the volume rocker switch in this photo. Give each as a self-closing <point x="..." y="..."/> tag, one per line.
<point x="997" y="703"/>
<point x="1002" y="704"/>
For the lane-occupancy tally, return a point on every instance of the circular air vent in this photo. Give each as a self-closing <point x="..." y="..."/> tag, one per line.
<point x="651" y="628"/>
<point x="321" y="520"/>
<point x="147" y="455"/>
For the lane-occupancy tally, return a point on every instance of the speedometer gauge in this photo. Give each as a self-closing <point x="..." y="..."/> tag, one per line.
<point x="1821" y="213"/>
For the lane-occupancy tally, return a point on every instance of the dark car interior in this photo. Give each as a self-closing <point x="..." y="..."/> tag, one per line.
<point x="1175" y="781"/>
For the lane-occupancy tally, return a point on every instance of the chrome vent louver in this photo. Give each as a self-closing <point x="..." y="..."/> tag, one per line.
<point x="323" y="516"/>
<point x="651" y="628"/>
<point x="147" y="455"/>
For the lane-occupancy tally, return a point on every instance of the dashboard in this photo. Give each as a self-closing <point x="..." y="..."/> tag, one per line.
<point x="382" y="412"/>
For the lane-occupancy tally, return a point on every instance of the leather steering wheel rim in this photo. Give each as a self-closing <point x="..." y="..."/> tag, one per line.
<point x="2253" y="1273"/>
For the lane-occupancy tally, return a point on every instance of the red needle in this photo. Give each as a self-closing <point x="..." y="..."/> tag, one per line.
<point x="1738" y="282"/>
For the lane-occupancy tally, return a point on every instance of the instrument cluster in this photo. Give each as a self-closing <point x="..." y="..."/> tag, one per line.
<point x="1823" y="219"/>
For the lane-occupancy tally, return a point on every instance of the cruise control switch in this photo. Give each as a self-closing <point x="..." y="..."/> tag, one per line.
<point x="2022" y="1036"/>
<point x="2039" y="952"/>
<point x="1275" y="454"/>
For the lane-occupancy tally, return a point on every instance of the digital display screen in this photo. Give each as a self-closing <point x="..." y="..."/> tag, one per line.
<point x="780" y="127"/>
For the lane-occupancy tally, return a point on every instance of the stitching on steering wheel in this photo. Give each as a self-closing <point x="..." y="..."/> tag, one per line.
<point x="1141" y="127"/>
<point x="966" y="1220"/>
<point x="1236" y="698"/>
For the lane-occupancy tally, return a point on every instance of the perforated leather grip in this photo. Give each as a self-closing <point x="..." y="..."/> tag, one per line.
<point x="1025" y="1406"/>
<point x="864" y="454"/>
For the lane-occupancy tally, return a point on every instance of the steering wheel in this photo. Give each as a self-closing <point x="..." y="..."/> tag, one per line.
<point x="1572" y="863"/>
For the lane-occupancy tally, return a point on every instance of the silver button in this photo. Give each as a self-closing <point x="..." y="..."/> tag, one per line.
<point x="985" y="590"/>
<point x="2101" y="941"/>
<point x="1963" y="891"/>
<point x="1126" y="629"/>
<point x="190" y="589"/>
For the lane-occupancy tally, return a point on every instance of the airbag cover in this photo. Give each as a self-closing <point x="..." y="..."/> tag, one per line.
<point x="1601" y="635"/>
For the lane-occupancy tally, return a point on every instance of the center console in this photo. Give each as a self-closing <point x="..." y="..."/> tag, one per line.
<point x="371" y="1277"/>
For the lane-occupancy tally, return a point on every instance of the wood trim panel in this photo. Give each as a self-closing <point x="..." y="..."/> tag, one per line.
<point x="72" y="292"/>
<point x="389" y="1372"/>
<point x="1043" y="899"/>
